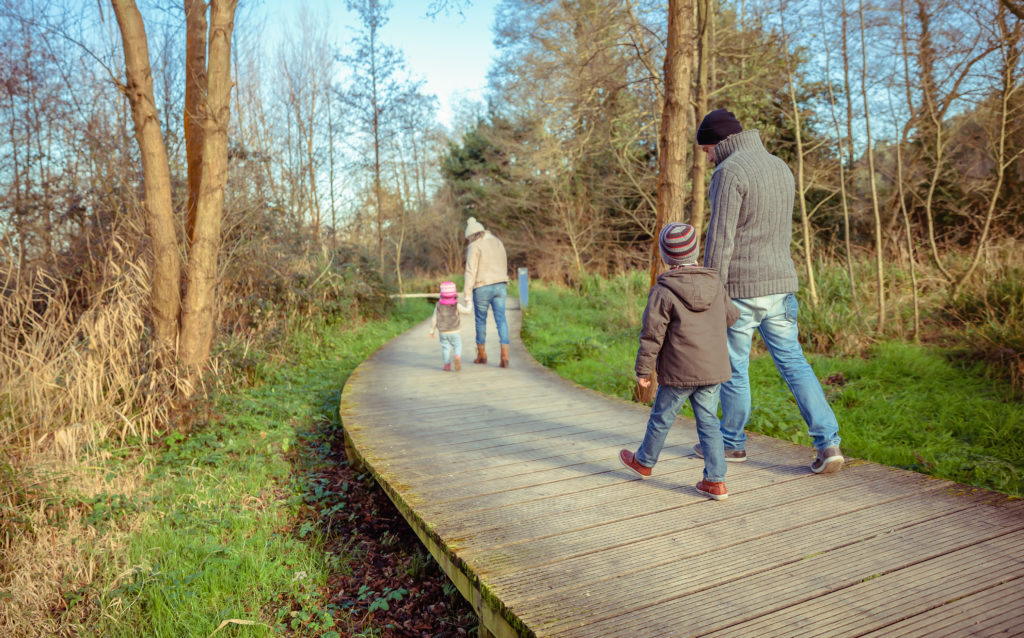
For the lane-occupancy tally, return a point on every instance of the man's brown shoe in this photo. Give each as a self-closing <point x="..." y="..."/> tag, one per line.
<point x="481" y="354"/>
<point x="713" y="490"/>
<point x="829" y="460"/>
<point x="627" y="459"/>
<point x="504" y="356"/>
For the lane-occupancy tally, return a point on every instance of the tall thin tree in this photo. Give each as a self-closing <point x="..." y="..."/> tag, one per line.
<point x="879" y="248"/>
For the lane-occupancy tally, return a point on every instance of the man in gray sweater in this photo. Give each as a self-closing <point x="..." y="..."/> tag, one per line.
<point x="748" y="239"/>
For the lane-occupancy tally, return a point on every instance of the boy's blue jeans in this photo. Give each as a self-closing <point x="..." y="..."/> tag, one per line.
<point x="493" y="297"/>
<point x="450" y="344"/>
<point x="774" y="316"/>
<point x="667" y="402"/>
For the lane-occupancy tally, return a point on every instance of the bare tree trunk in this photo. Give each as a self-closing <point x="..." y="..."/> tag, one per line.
<point x="195" y="97"/>
<point x="314" y="195"/>
<point x="330" y="169"/>
<point x="674" y="136"/>
<point x="805" y="223"/>
<point x="904" y="213"/>
<point x="926" y="62"/>
<point x="1008" y="45"/>
<point x="156" y="176"/>
<point x="839" y="156"/>
<point x="700" y="107"/>
<point x="879" y="265"/>
<point x="199" y="308"/>
<point x="376" y="150"/>
<point x="848" y="92"/>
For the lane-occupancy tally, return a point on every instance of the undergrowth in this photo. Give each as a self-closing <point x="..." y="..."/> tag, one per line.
<point x="215" y="542"/>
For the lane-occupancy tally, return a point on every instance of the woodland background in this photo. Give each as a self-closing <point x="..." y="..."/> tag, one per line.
<point x="329" y="183"/>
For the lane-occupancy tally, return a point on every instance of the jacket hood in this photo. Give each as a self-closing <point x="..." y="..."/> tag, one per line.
<point x="696" y="287"/>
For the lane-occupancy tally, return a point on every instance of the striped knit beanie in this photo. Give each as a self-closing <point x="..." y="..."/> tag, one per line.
<point x="449" y="293"/>
<point x="678" y="244"/>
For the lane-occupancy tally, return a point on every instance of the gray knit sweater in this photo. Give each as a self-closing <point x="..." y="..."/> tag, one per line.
<point x="751" y="221"/>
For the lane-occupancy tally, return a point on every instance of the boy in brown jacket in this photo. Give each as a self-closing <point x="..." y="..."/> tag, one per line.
<point x="683" y="337"/>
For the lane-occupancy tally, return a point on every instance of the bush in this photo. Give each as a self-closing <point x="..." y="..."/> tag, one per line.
<point x="990" y="318"/>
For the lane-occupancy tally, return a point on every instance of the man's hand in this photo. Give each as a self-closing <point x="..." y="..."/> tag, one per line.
<point x="643" y="382"/>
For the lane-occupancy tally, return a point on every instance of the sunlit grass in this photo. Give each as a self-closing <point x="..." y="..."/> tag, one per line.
<point x="214" y="541"/>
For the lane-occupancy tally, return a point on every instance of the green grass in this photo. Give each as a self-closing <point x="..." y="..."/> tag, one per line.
<point x="902" y="405"/>
<point x="215" y="541"/>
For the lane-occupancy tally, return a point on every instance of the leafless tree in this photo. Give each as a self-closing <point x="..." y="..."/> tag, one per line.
<point x="184" y="326"/>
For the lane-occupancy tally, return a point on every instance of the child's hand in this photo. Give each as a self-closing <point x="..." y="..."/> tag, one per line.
<point x="431" y="335"/>
<point x="643" y="382"/>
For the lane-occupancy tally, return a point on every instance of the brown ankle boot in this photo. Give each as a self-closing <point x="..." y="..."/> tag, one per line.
<point x="504" y="356"/>
<point x="481" y="355"/>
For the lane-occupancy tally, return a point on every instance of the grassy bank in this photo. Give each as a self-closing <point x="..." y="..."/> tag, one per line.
<point x="925" y="408"/>
<point x="201" y="532"/>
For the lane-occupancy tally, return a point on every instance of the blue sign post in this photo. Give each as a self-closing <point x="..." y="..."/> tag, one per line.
<point x="524" y="288"/>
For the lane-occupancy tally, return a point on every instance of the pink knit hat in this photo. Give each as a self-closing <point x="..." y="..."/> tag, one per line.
<point x="449" y="293"/>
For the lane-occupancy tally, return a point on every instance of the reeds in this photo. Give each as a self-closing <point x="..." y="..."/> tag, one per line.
<point x="72" y="377"/>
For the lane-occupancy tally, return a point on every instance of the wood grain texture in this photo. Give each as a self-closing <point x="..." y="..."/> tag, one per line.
<point x="511" y="479"/>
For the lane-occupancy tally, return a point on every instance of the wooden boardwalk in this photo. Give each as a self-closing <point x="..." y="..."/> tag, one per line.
<point x="511" y="479"/>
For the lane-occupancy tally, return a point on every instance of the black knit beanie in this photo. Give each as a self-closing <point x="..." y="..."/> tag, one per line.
<point x="716" y="126"/>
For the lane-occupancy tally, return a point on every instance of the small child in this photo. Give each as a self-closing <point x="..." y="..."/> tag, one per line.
<point x="683" y="337"/>
<point x="446" y="322"/>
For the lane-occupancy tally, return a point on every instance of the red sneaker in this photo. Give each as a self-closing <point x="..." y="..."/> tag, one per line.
<point x="713" y="490"/>
<point x="630" y="462"/>
<point x="447" y="367"/>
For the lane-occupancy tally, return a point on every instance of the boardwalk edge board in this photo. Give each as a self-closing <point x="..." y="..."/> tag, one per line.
<point x="494" y="617"/>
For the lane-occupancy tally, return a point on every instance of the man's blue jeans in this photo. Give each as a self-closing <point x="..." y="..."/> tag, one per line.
<point x="493" y="297"/>
<point x="774" y="316"/>
<point x="667" y="402"/>
<point x="451" y="344"/>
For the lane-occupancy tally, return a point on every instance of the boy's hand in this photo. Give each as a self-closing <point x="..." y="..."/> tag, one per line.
<point x="643" y="382"/>
<point x="431" y="335"/>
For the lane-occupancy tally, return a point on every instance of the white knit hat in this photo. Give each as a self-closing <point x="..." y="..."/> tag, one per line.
<point x="473" y="227"/>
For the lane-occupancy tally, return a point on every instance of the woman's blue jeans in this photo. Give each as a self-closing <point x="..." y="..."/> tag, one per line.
<point x="775" y="317"/>
<point x="667" y="403"/>
<point x="493" y="297"/>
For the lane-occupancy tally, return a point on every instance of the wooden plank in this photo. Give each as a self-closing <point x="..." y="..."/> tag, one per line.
<point x="767" y="496"/>
<point x="707" y="609"/>
<point x="910" y="592"/>
<point x="614" y="580"/>
<point x="510" y="478"/>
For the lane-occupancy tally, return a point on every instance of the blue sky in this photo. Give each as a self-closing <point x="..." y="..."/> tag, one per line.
<point x="451" y="52"/>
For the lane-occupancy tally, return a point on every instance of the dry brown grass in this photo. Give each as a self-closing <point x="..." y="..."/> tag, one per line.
<point x="73" y="373"/>
<point x="59" y="552"/>
<point x="72" y="380"/>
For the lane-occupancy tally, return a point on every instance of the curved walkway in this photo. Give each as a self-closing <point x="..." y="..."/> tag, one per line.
<point x="511" y="479"/>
